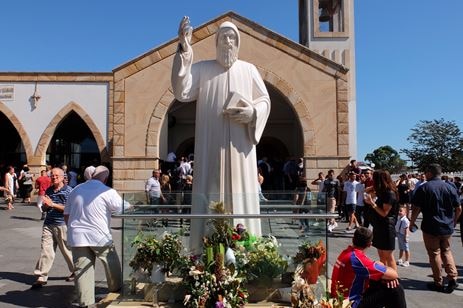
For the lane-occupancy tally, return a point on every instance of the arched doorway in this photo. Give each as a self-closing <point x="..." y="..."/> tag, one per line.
<point x="186" y="148"/>
<point x="12" y="149"/>
<point x="282" y="136"/>
<point x="73" y="144"/>
<point x="281" y="139"/>
<point x="181" y="128"/>
<point x="272" y="147"/>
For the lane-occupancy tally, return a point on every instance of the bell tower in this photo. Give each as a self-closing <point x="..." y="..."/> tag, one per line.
<point x="327" y="28"/>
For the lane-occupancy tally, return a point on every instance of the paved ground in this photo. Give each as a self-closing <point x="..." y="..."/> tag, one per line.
<point x="20" y="231"/>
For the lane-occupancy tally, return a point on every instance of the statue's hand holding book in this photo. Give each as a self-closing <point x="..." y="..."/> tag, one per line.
<point x="238" y="108"/>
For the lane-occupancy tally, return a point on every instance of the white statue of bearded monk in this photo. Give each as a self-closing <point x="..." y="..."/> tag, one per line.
<point x="232" y="108"/>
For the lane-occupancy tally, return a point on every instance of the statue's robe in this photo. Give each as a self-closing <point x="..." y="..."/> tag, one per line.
<point x="225" y="164"/>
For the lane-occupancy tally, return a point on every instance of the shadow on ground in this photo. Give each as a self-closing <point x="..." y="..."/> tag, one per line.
<point x="25" y="218"/>
<point x="49" y="296"/>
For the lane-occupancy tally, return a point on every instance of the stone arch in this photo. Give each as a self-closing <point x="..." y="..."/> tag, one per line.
<point x="300" y="108"/>
<point x="47" y="134"/>
<point x="20" y="129"/>
<point x="155" y="123"/>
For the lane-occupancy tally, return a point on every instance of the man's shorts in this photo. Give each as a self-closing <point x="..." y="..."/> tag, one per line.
<point x="402" y="245"/>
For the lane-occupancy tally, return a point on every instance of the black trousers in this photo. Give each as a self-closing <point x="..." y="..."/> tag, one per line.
<point x="378" y="295"/>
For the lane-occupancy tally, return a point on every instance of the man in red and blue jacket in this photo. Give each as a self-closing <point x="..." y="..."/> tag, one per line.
<point x="363" y="281"/>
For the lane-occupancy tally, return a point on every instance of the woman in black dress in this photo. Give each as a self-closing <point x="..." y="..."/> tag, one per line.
<point x="383" y="199"/>
<point x="403" y="188"/>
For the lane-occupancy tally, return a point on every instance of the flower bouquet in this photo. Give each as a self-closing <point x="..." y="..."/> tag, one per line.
<point x="213" y="288"/>
<point x="307" y="299"/>
<point x="214" y="280"/>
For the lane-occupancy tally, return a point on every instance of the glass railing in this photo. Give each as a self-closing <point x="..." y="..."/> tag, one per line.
<point x="171" y="254"/>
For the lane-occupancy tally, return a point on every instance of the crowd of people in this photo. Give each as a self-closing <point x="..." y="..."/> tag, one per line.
<point x="76" y="220"/>
<point x="376" y="208"/>
<point x="171" y="184"/>
<point x="21" y="185"/>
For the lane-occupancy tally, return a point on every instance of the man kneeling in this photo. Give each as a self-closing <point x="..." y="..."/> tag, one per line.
<point x="365" y="282"/>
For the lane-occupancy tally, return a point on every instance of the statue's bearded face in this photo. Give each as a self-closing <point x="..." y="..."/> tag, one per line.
<point x="227" y="47"/>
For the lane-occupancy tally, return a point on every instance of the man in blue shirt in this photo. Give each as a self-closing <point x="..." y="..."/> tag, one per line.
<point x="439" y="203"/>
<point x="54" y="229"/>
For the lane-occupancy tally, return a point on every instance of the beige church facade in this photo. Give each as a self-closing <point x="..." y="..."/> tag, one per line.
<point x="139" y="120"/>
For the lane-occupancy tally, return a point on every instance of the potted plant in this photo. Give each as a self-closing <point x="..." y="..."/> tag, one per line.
<point x="310" y="259"/>
<point x="265" y="262"/>
<point x="151" y="252"/>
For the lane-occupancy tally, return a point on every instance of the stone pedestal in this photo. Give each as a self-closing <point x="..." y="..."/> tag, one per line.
<point x="171" y="290"/>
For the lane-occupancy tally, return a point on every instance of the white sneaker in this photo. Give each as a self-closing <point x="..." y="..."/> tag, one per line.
<point x="405" y="264"/>
<point x="330" y="228"/>
<point x="335" y="225"/>
<point x="349" y="230"/>
<point x="400" y="262"/>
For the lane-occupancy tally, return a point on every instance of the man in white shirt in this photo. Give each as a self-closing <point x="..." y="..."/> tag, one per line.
<point x="184" y="169"/>
<point x="153" y="188"/>
<point x="350" y="200"/>
<point x="88" y="215"/>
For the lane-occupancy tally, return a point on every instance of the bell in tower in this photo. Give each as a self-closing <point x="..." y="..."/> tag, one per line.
<point x="327" y="28"/>
<point x="324" y="15"/>
<point x="329" y="12"/>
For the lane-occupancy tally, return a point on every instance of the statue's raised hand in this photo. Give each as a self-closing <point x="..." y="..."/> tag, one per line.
<point x="185" y="31"/>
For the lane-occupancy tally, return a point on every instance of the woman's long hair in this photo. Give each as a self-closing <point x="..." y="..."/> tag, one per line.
<point x="382" y="183"/>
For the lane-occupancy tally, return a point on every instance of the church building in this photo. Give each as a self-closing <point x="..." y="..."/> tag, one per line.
<point x="129" y="118"/>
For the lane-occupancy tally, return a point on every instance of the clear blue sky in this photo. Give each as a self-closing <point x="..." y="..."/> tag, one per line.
<point x="409" y="65"/>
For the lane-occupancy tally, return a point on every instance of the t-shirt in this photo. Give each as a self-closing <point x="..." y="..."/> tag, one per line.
<point x="153" y="187"/>
<point x="171" y="157"/>
<point x="369" y="182"/>
<point x="352" y="272"/>
<point x="402" y="224"/>
<point x="331" y="187"/>
<point x="89" y="207"/>
<point x="72" y="178"/>
<point x="55" y="217"/>
<point x="360" y="188"/>
<point x="351" y="191"/>
<point x="27" y="178"/>
<point x="42" y="183"/>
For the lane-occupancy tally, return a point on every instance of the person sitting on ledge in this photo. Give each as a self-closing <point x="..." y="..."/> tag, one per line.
<point x="365" y="282"/>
